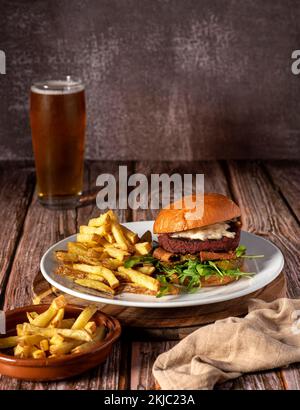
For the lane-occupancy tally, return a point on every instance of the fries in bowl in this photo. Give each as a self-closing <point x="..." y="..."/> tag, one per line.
<point x="50" y="334"/>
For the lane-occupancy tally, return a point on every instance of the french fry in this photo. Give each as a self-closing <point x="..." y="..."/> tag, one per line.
<point x="104" y="256"/>
<point x="109" y="276"/>
<point x="88" y="260"/>
<point x="44" y="318"/>
<point x="91" y="230"/>
<point x="84" y="317"/>
<point x="110" y="238"/>
<point x="99" y="336"/>
<point x="94" y="284"/>
<point x="87" y="268"/>
<point x="77" y="248"/>
<point x="40" y="342"/>
<point x="106" y="273"/>
<point x="38" y="354"/>
<point x="69" y="272"/>
<point x="52" y="331"/>
<point x="146" y="270"/>
<point x="119" y="236"/>
<point x="56" y="339"/>
<point x="7" y="342"/>
<point x="44" y="345"/>
<point x="131" y="236"/>
<point x="93" y="276"/>
<point x="91" y="328"/>
<point x="66" y="257"/>
<point x="90" y="239"/>
<point x="30" y="340"/>
<point x="64" y="348"/>
<point x="95" y="253"/>
<point x="112" y="216"/>
<point x="143" y="248"/>
<point x="116" y="253"/>
<point x="19" y="329"/>
<point x="56" y="321"/>
<point x="99" y="248"/>
<point x="103" y="219"/>
<point x="22" y="351"/>
<point x="111" y="263"/>
<point x="141" y="279"/>
<point x="31" y="316"/>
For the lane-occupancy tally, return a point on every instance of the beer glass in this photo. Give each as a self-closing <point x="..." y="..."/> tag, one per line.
<point x="58" y="119"/>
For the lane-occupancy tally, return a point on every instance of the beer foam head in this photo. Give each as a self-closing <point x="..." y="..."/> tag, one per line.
<point x="58" y="87"/>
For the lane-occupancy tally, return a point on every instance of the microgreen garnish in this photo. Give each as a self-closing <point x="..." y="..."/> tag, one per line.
<point x="138" y="260"/>
<point x="189" y="272"/>
<point x="241" y="250"/>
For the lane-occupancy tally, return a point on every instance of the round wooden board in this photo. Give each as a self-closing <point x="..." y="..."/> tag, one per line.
<point x="172" y="323"/>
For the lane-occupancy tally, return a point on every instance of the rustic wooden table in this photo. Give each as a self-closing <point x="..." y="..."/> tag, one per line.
<point x="267" y="192"/>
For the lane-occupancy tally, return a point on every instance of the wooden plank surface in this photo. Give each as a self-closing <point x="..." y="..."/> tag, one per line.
<point x="266" y="213"/>
<point x="16" y="188"/>
<point x="142" y="358"/>
<point x="285" y="176"/>
<point x="268" y="207"/>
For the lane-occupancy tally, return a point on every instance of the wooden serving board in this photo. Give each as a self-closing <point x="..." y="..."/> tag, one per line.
<point x="169" y="323"/>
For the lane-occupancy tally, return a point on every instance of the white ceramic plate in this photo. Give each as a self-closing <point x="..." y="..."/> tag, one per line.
<point x="266" y="270"/>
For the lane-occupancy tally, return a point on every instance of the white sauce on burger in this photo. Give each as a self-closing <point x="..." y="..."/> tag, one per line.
<point x="215" y="231"/>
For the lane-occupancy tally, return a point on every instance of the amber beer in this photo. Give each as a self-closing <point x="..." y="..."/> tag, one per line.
<point x="58" y="119"/>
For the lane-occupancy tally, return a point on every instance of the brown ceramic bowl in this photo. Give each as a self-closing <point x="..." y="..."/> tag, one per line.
<point x="57" y="368"/>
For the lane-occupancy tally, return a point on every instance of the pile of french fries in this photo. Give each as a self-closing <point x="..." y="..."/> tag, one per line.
<point x="50" y="335"/>
<point x="96" y="259"/>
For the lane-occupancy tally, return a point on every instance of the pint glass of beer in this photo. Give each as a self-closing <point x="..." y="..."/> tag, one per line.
<point x="58" y="118"/>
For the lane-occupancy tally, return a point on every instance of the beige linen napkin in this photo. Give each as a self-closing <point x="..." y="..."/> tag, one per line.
<point x="268" y="337"/>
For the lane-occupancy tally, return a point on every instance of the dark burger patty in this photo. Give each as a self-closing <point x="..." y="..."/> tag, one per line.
<point x="185" y="245"/>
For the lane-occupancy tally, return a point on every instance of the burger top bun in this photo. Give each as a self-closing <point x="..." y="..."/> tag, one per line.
<point x="183" y="214"/>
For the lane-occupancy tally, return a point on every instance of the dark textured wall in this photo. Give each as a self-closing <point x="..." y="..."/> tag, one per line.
<point x="164" y="79"/>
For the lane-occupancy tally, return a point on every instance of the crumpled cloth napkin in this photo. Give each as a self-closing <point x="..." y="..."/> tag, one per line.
<point x="268" y="337"/>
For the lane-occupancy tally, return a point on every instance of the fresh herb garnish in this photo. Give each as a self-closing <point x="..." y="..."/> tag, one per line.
<point x="252" y="256"/>
<point x="211" y="263"/>
<point x="241" y="250"/>
<point x="138" y="260"/>
<point x="189" y="272"/>
<point x="189" y="276"/>
<point x="164" y="286"/>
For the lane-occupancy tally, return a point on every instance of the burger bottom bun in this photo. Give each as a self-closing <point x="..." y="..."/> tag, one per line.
<point x="216" y="280"/>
